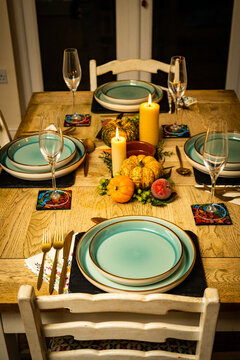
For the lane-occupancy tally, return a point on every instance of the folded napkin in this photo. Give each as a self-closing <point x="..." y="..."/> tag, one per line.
<point x="9" y="181"/>
<point x="34" y="262"/>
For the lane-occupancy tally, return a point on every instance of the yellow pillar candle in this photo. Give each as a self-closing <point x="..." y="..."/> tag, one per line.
<point x="119" y="152"/>
<point x="149" y="122"/>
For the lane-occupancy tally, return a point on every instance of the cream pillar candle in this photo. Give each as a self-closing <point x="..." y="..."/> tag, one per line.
<point x="119" y="152"/>
<point x="149" y="122"/>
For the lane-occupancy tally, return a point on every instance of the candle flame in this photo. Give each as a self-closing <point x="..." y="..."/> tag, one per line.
<point x="117" y="134"/>
<point x="149" y="99"/>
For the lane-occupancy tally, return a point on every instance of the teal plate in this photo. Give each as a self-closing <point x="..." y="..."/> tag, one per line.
<point x="195" y="160"/>
<point x="110" y="105"/>
<point x="25" y="154"/>
<point x="128" y="91"/>
<point x="88" y="269"/>
<point x="233" y="162"/>
<point x="72" y="165"/>
<point x="136" y="252"/>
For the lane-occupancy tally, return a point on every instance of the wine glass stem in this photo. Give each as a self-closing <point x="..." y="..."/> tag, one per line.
<point x="73" y="104"/>
<point x="53" y="178"/>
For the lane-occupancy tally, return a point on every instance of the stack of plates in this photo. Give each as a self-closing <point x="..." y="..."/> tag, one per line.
<point x="139" y="254"/>
<point x="193" y="149"/>
<point x="126" y="95"/>
<point x="22" y="158"/>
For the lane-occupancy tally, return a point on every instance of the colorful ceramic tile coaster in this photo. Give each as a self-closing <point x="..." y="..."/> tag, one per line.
<point x="182" y="132"/>
<point x="203" y="217"/>
<point x="85" y="120"/>
<point x="44" y="201"/>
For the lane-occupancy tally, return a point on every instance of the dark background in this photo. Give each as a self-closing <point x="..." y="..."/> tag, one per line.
<point x="200" y="31"/>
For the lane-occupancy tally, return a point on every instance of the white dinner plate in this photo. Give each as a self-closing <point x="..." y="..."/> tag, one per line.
<point x="128" y="92"/>
<point x="98" y="95"/>
<point x="96" y="278"/>
<point x="197" y="162"/>
<point x="136" y="252"/>
<point x="36" y="176"/>
<point x="25" y="154"/>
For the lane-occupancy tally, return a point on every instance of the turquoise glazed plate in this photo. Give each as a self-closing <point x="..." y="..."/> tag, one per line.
<point x="72" y="165"/>
<point x="128" y="91"/>
<point x="25" y="154"/>
<point x="88" y="269"/>
<point x="123" y="107"/>
<point x="136" y="252"/>
<point x="195" y="160"/>
<point x="233" y="162"/>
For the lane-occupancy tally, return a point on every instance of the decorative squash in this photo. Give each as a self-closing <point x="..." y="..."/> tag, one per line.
<point x="126" y="127"/>
<point x="142" y="169"/>
<point x="121" y="188"/>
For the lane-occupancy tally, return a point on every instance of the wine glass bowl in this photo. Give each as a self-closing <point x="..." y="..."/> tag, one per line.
<point x="215" y="155"/>
<point x="72" y="74"/>
<point x="177" y="84"/>
<point x="51" y="144"/>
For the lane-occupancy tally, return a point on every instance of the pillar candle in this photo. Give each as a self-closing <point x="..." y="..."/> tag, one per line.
<point x="119" y="152"/>
<point x="149" y="122"/>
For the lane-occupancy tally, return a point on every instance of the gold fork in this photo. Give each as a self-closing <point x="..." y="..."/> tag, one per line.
<point x="46" y="246"/>
<point x="58" y="242"/>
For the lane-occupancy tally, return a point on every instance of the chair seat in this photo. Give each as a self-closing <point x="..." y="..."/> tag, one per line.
<point x="63" y="343"/>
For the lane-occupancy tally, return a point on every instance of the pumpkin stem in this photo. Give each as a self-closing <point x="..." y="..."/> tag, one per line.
<point x="141" y="164"/>
<point x="116" y="187"/>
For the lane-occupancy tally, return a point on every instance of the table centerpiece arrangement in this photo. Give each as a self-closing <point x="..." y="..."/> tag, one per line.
<point x="142" y="175"/>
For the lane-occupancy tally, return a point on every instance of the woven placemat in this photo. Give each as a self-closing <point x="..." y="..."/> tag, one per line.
<point x="193" y="285"/>
<point x="9" y="181"/>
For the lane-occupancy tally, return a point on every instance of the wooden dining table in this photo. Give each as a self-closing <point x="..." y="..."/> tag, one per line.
<point x="21" y="225"/>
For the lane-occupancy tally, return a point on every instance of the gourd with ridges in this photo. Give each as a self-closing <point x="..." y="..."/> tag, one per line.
<point x="142" y="170"/>
<point x="121" y="188"/>
<point x="126" y="128"/>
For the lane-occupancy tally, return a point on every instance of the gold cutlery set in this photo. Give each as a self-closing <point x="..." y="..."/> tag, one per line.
<point x="58" y="243"/>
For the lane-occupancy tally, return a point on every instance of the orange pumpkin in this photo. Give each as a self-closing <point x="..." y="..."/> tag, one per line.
<point x="121" y="188"/>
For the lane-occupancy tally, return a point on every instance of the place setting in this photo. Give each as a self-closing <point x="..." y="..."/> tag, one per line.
<point x="215" y="154"/>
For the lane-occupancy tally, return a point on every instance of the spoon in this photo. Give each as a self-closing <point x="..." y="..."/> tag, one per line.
<point x="90" y="147"/>
<point x="181" y="170"/>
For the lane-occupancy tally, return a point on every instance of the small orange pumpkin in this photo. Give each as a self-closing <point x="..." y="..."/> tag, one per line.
<point x="121" y="188"/>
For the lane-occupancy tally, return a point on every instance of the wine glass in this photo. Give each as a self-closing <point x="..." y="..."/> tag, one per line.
<point x="72" y="74"/>
<point x="215" y="154"/>
<point x="51" y="145"/>
<point x="177" y="84"/>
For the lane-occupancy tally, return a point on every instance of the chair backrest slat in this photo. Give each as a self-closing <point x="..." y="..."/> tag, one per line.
<point x="122" y="66"/>
<point x="154" y="332"/>
<point x="157" y="303"/>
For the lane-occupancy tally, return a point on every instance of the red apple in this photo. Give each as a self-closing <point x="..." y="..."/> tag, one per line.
<point x="161" y="189"/>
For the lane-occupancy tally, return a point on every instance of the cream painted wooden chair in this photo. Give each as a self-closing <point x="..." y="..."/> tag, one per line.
<point x="5" y="136"/>
<point x="144" y="319"/>
<point x="120" y="66"/>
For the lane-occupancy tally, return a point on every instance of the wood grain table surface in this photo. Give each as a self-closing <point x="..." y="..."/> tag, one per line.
<point x="21" y="225"/>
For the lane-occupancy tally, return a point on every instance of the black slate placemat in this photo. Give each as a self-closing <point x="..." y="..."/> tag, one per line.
<point x="203" y="178"/>
<point x="9" y="181"/>
<point x="99" y="109"/>
<point x="193" y="285"/>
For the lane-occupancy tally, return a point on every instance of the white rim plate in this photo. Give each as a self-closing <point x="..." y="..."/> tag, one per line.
<point x="92" y="275"/>
<point x="25" y="154"/>
<point x="136" y="252"/>
<point x="128" y="92"/>
<point x="123" y="107"/>
<point x="197" y="163"/>
<point x="35" y="176"/>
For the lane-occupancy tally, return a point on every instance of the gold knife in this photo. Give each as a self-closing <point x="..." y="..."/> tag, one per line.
<point x="66" y="250"/>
